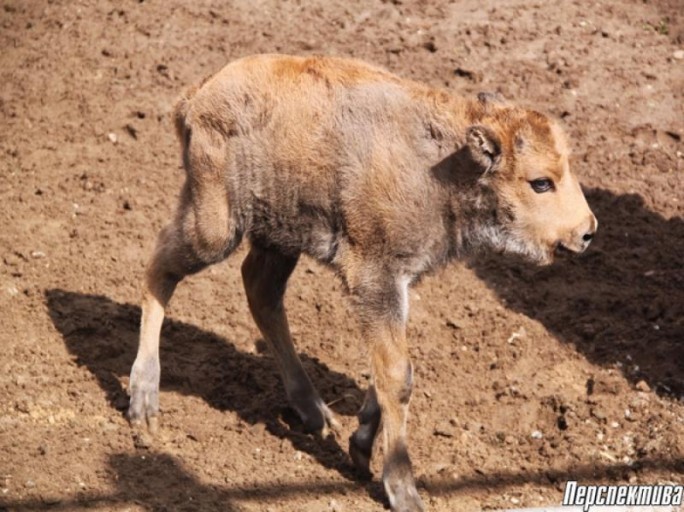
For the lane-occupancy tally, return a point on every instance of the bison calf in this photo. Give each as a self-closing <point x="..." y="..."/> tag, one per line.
<point x="381" y="178"/>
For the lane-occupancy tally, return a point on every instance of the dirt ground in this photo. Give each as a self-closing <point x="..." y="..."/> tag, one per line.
<point x="525" y="377"/>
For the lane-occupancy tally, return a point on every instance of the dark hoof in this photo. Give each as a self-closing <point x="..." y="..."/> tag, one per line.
<point x="361" y="457"/>
<point x="316" y="417"/>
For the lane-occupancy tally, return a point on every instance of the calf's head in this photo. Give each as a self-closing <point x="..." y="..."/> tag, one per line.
<point x="539" y="207"/>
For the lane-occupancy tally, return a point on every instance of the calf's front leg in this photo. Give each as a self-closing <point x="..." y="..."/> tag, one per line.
<point x="393" y="381"/>
<point x="384" y="325"/>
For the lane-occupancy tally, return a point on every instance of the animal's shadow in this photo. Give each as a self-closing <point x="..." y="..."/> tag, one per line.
<point x="162" y="482"/>
<point x="103" y="335"/>
<point x="621" y="303"/>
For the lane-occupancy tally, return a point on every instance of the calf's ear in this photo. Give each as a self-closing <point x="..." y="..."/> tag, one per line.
<point x="484" y="146"/>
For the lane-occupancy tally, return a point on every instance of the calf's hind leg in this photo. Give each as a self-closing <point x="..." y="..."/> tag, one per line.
<point x="361" y="442"/>
<point x="163" y="273"/>
<point x="265" y="273"/>
<point x="202" y="233"/>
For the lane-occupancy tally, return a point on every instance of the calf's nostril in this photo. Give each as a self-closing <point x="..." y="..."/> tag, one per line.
<point x="587" y="237"/>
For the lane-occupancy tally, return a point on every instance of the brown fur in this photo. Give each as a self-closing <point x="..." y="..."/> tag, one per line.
<point x="381" y="178"/>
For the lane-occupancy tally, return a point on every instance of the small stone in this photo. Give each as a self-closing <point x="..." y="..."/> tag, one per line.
<point x="110" y="427"/>
<point x="444" y="429"/>
<point x="643" y="386"/>
<point x="12" y="260"/>
<point x="112" y="137"/>
<point x="23" y="406"/>
<point x="598" y="414"/>
<point x="141" y="440"/>
<point x="37" y="254"/>
<point x="519" y="334"/>
<point x="440" y="468"/>
<point x="679" y="54"/>
<point x="453" y="324"/>
<point x="536" y="435"/>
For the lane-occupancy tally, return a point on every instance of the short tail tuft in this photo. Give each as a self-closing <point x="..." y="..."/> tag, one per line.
<point x="180" y="111"/>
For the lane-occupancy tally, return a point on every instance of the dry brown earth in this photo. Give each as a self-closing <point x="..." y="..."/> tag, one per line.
<point x="587" y="354"/>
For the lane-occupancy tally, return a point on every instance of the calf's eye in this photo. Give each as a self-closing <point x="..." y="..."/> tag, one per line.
<point x="541" y="185"/>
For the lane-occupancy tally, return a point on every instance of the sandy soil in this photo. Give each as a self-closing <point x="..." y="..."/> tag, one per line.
<point x="587" y="354"/>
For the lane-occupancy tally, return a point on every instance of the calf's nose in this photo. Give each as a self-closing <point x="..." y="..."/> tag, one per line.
<point x="589" y="231"/>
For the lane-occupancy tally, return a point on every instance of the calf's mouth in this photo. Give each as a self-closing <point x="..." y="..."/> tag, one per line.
<point x="563" y="250"/>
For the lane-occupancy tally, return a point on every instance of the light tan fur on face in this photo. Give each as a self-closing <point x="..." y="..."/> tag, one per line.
<point x="381" y="178"/>
<point x="538" y="148"/>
